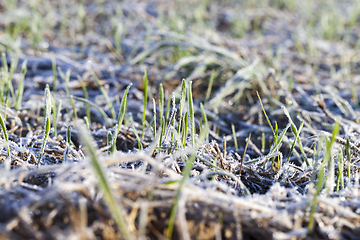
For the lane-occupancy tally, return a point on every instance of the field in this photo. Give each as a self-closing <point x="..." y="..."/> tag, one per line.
<point x="179" y="119"/>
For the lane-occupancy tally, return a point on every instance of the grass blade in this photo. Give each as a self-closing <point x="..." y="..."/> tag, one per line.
<point x="3" y="128"/>
<point x="320" y="181"/>
<point x="145" y="103"/>
<point x="47" y="110"/>
<point x="191" y="115"/>
<point x="116" y="209"/>
<point x="86" y="96"/>
<point x="234" y="136"/>
<point x="105" y="94"/>
<point x="121" y="115"/>
<point x="154" y="110"/>
<point x="53" y="62"/>
<point x="205" y="121"/>
<point x="96" y="107"/>
<point x="266" y="116"/>
<point x="20" y="90"/>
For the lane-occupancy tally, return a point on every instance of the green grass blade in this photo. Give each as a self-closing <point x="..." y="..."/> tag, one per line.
<point x="279" y="141"/>
<point x="211" y="81"/>
<point x="154" y="110"/>
<point x="145" y="103"/>
<point x="340" y="174"/>
<point x="191" y="115"/>
<point x="296" y="137"/>
<point x="234" y="136"/>
<point x="161" y="109"/>
<point x="20" y="89"/>
<point x="185" y="128"/>
<point x="109" y="140"/>
<point x="47" y="124"/>
<point x="205" y="121"/>
<point x="348" y="156"/>
<point x="73" y="106"/>
<point x="320" y="181"/>
<point x="296" y="132"/>
<point x="56" y="113"/>
<point x="86" y="96"/>
<point x="266" y="116"/>
<point x="167" y="112"/>
<point x="116" y="208"/>
<point x="96" y="107"/>
<point x="137" y="138"/>
<point x="121" y="115"/>
<point x="68" y="135"/>
<point x="53" y="62"/>
<point x="66" y="78"/>
<point x="3" y="128"/>
<point x="185" y="176"/>
<point x="105" y="94"/>
<point x="182" y="102"/>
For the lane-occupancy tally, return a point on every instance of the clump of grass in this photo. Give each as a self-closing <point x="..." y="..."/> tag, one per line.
<point x="47" y="116"/>
<point x="278" y="138"/>
<point x="121" y="115"/>
<point x="297" y="135"/>
<point x="321" y="174"/>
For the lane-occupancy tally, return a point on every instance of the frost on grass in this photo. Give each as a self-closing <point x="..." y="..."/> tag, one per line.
<point x="294" y="180"/>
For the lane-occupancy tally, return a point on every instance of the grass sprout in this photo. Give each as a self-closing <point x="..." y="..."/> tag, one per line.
<point x="3" y="129"/>
<point x="20" y="89"/>
<point x="53" y="61"/>
<point x="86" y="96"/>
<point x="145" y="103"/>
<point x="56" y="114"/>
<point x="205" y="121"/>
<point x="234" y="136"/>
<point x="185" y="176"/>
<point x="297" y="134"/>
<point x="47" y="124"/>
<point x="321" y="175"/>
<point x="84" y="100"/>
<point x="121" y="115"/>
<point x="140" y="146"/>
<point x="154" y="110"/>
<point x="191" y="115"/>
<point x="66" y="78"/>
<point x="105" y="94"/>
